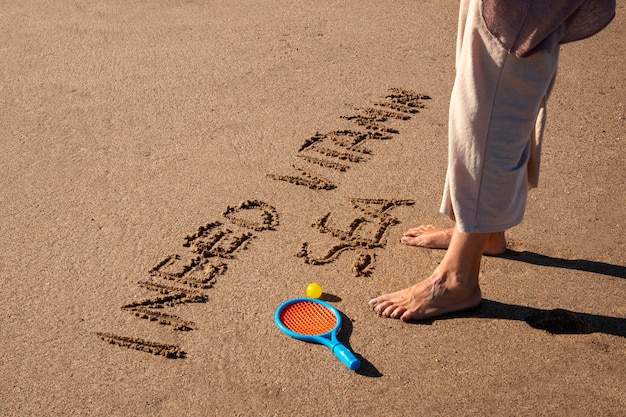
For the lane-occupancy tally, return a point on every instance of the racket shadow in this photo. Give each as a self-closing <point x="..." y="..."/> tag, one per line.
<point x="367" y="368"/>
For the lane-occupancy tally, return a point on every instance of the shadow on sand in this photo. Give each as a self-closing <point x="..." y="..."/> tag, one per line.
<point x="575" y="264"/>
<point x="367" y="368"/>
<point x="557" y="321"/>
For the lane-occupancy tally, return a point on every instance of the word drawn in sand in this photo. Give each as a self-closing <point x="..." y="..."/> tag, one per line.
<point x="184" y="277"/>
<point x="169" y="351"/>
<point x="339" y="150"/>
<point x="363" y="235"/>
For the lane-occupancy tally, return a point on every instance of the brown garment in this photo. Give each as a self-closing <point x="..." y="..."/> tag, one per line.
<point x="527" y="26"/>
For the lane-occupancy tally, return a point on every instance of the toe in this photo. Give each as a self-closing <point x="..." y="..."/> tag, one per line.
<point x="420" y="230"/>
<point x="406" y="316"/>
<point x="397" y="313"/>
<point x="416" y="231"/>
<point x="380" y="307"/>
<point x="377" y="308"/>
<point x="389" y="310"/>
<point x="409" y="241"/>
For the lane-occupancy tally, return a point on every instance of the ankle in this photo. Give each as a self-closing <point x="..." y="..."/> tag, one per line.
<point x="455" y="278"/>
<point x="496" y="244"/>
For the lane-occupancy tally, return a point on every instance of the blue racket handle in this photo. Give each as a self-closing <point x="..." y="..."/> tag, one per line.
<point x="346" y="356"/>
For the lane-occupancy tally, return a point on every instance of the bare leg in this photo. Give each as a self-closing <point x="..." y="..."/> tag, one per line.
<point x="452" y="287"/>
<point x="433" y="237"/>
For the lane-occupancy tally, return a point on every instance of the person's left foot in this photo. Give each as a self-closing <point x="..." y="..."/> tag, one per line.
<point x="434" y="237"/>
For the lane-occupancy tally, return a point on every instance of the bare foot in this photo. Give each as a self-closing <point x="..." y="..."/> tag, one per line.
<point x="433" y="237"/>
<point x="440" y="294"/>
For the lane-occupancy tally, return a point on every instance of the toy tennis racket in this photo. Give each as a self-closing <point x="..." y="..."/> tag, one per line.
<point x="315" y="321"/>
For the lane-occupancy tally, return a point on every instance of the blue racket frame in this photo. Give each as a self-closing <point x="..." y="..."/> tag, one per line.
<point x="328" y="339"/>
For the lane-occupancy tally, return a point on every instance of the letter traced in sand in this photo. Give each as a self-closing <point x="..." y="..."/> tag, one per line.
<point x="363" y="235"/>
<point x="339" y="150"/>
<point x="169" y="351"/>
<point x="181" y="279"/>
<point x="305" y="178"/>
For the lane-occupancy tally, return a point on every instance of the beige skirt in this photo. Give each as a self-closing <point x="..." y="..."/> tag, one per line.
<point x="496" y="123"/>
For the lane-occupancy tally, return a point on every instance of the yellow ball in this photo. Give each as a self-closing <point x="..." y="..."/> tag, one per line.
<point x="314" y="290"/>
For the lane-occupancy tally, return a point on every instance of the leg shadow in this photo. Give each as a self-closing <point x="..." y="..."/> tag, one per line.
<point x="534" y="258"/>
<point x="557" y="321"/>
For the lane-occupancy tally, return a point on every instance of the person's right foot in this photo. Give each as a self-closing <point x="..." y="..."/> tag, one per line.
<point x="440" y="294"/>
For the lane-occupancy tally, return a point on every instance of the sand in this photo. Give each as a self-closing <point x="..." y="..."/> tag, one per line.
<point x="172" y="171"/>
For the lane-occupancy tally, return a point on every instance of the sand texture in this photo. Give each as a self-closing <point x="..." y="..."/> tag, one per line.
<point x="172" y="171"/>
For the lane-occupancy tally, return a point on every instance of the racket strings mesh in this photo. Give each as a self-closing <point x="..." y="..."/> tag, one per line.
<point x="308" y="318"/>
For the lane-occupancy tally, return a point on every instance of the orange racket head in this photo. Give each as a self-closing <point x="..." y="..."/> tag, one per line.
<point x="307" y="317"/>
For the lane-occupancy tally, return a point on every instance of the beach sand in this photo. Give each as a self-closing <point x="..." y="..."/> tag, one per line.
<point x="166" y="185"/>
